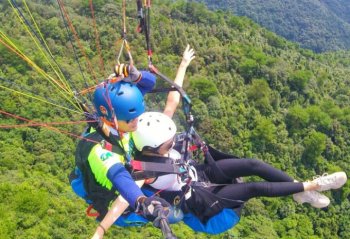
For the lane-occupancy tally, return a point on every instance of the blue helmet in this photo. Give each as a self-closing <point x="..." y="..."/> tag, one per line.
<point x="122" y="98"/>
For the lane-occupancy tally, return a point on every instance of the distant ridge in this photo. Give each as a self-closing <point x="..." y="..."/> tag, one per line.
<point x="319" y="25"/>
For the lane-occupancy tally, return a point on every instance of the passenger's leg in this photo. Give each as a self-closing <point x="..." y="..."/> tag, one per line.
<point x="235" y="168"/>
<point x="303" y="192"/>
<point x="246" y="191"/>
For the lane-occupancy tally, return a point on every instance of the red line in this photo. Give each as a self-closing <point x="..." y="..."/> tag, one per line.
<point x="97" y="37"/>
<point x="75" y="34"/>
<point x="49" y="127"/>
<point x="32" y="65"/>
<point x="47" y="124"/>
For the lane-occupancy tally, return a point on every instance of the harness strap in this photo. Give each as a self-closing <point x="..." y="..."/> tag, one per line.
<point x="139" y="175"/>
<point x="207" y="184"/>
<point x="152" y="169"/>
<point x="157" y="167"/>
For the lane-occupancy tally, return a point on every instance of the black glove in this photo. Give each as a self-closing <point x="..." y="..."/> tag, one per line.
<point x="129" y="73"/>
<point x="154" y="209"/>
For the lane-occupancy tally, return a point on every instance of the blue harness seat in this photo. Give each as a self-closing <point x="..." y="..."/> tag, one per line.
<point x="217" y="224"/>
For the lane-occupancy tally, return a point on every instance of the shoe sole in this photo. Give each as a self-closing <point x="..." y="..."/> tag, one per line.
<point x="315" y="205"/>
<point x="319" y="206"/>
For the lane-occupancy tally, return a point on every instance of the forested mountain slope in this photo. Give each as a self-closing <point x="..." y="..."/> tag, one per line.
<point x="318" y="25"/>
<point x="254" y="95"/>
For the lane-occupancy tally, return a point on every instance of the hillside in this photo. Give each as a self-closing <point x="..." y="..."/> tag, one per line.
<point x="340" y="8"/>
<point x="254" y="95"/>
<point x="317" y="25"/>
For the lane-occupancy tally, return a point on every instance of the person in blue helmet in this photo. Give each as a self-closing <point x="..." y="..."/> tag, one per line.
<point x="120" y="204"/>
<point x="102" y="154"/>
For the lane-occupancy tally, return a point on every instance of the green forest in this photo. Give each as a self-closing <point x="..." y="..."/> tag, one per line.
<point x="254" y="95"/>
<point x="314" y="24"/>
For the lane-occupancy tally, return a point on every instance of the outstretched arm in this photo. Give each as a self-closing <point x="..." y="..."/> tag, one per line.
<point x="173" y="99"/>
<point x="117" y="209"/>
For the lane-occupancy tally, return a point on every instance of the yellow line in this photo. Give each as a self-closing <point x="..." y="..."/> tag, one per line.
<point x="39" y="99"/>
<point x="38" y="69"/>
<point x="59" y="73"/>
<point x="36" y="43"/>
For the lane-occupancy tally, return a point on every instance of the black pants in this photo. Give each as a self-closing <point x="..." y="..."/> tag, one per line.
<point x="277" y="183"/>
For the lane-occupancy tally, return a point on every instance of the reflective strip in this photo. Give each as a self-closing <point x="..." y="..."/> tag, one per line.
<point x="101" y="160"/>
<point x="125" y="144"/>
<point x="108" y="158"/>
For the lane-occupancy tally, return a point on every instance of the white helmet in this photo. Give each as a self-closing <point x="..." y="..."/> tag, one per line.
<point x="153" y="129"/>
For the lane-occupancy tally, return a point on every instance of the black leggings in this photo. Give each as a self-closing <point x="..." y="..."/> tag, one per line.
<point x="278" y="183"/>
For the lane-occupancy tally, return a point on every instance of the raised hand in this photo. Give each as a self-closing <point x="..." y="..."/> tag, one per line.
<point x="188" y="56"/>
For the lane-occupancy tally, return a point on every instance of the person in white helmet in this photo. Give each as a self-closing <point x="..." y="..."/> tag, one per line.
<point x="209" y="205"/>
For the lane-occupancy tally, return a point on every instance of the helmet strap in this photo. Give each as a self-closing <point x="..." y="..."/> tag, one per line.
<point x="112" y="124"/>
<point x="115" y="121"/>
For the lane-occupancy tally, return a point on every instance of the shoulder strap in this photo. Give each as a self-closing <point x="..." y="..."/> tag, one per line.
<point x="147" y="167"/>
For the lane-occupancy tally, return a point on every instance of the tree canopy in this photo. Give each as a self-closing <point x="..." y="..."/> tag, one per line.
<point x="317" y="25"/>
<point x="254" y="94"/>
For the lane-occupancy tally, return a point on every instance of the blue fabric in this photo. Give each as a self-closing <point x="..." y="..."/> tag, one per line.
<point x="78" y="184"/>
<point x="130" y="220"/>
<point x="124" y="184"/>
<point x="219" y="223"/>
<point x="175" y="215"/>
<point x="215" y="225"/>
<point x="133" y="219"/>
<point x="147" y="192"/>
<point x="147" y="82"/>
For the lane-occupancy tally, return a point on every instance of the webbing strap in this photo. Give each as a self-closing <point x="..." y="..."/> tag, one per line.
<point x="139" y="175"/>
<point x="157" y="167"/>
